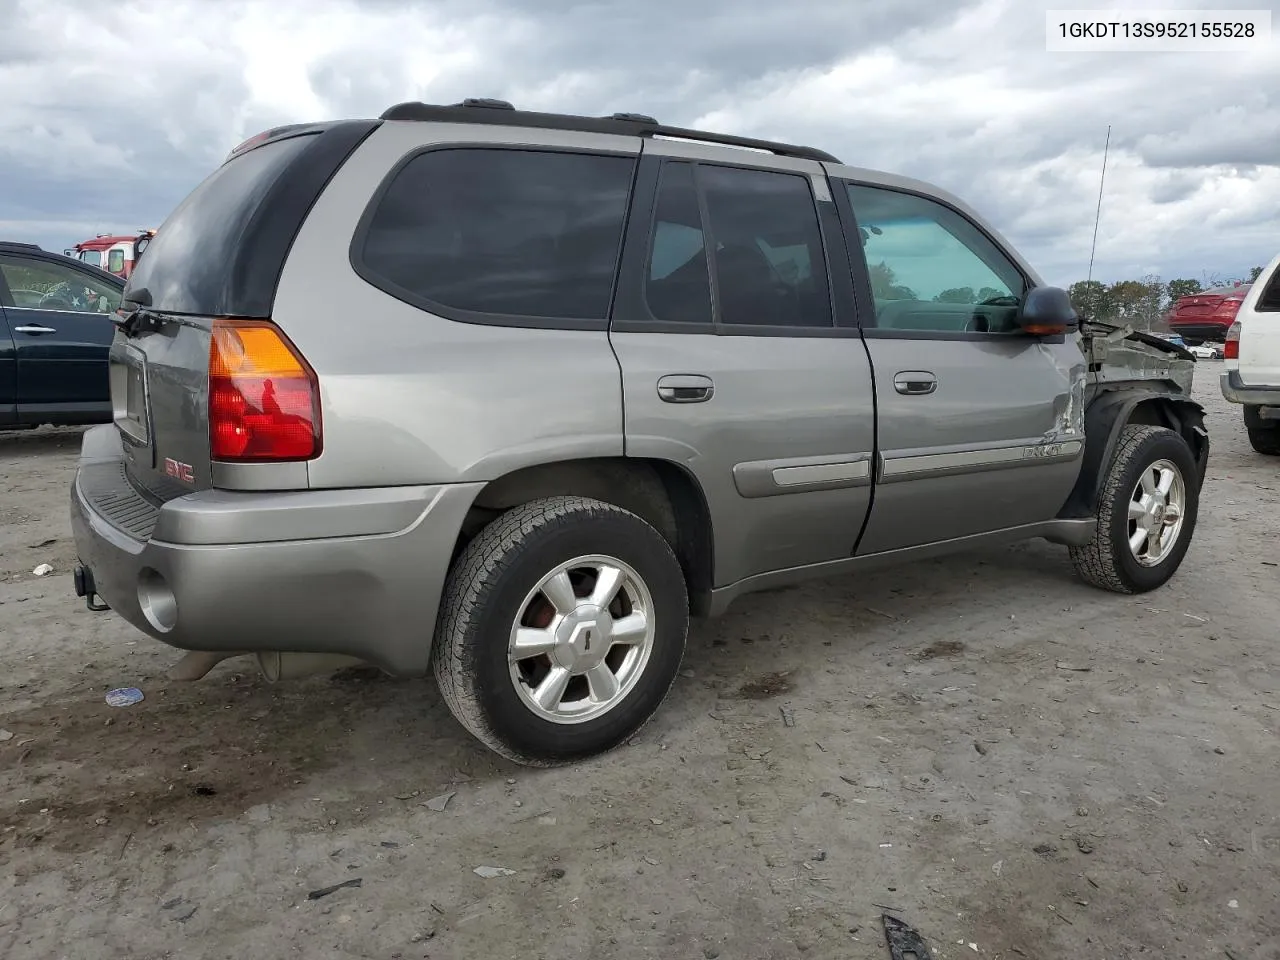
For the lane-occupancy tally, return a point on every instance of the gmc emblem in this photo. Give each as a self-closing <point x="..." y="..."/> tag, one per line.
<point x="179" y="471"/>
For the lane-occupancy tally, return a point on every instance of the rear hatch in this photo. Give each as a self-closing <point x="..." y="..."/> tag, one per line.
<point x="218" y="256"/>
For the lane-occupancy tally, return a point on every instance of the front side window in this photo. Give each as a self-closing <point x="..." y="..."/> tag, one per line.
<point x="40" y="285"/>
<point x="932" y="269"/>
<point x="509" y="232"/>
<point x="115" y="261"/>
<point x="768" y="257"/>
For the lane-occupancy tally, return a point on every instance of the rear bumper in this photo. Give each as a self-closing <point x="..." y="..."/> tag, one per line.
<point x="355" y="572"/>
<point x="1200" y="329"/>
<point x="1234" y="390"/>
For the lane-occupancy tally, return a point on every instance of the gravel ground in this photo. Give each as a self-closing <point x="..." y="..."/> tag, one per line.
<point x="1020" y="765"/>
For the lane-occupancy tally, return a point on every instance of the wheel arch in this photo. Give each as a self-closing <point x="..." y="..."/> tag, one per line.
<point x="661" y="492"/>
<point x="1109" y="414"/>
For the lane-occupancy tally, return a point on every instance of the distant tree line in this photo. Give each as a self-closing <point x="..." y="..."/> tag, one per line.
<point x="1142" y="303"/>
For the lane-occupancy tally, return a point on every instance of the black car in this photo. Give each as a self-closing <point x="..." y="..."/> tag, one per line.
<point x="55" y="331"/>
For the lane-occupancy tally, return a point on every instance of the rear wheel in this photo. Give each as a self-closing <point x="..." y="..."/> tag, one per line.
<point x="1264" y="435"/>
<point x="1147" y="511"/>
<point x="561" y="630"/>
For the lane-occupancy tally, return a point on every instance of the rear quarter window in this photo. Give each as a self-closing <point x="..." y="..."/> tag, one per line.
<point x="1269" y="299"/>
<point x="487" y="235"/>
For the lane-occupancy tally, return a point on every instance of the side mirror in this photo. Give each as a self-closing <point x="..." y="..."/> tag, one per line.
<point x="1047" y="311"/>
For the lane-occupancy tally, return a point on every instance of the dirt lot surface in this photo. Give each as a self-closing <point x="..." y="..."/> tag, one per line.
<point x="1021" y="765"/>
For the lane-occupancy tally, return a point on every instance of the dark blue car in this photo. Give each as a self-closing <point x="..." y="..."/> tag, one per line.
<point x="55" y="331"/>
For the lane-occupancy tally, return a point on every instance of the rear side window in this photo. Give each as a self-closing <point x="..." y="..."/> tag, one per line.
<point x="677" y="285"/>
<point x="1269" y="299"/>
<point x="189" y="261"/>
<point x="497" y="232"/>
<point x="768" y="257"/>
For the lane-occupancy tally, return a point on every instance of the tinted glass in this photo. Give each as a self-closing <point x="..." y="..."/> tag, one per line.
<point x="1269" y="300"/>
<point x="677" y="285"/>
<point x="188" y="261"/>
<point x="512" y="232"/>
<point x="931" y="268"/>
<point x="40" y="285"/>
<point x="768" y="256"/>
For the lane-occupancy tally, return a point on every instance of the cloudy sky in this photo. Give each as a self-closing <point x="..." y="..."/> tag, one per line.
<point x="110" y="113"/>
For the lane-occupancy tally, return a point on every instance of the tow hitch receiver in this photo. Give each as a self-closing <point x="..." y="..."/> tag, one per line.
<point x="82" y="577"/>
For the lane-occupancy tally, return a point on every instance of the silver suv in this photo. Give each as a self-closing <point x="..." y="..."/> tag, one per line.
<point x="510" y="395"/>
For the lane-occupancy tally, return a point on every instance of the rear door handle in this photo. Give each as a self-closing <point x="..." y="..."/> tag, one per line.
<point x="34" y="329"/>
<point x="915" y="383"/>
<point x="685" y="388"/>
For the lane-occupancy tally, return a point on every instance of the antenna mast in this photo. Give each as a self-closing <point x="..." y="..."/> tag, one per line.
<point x="1098" y="216"/>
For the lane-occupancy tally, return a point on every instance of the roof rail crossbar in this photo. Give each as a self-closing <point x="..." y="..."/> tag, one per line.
<point x="633" y="125"/>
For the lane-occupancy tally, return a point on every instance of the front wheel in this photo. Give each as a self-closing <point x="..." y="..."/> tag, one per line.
<point x="1147" y="511"/>
<point x="562" y="627"/>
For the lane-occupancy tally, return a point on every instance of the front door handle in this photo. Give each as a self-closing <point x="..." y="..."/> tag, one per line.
<point x="685" y="388"/>
<point x="915" y="383"/>
<point x="34" y="329"/>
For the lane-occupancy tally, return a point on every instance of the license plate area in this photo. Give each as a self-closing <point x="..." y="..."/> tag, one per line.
<point x="130" y="399"/>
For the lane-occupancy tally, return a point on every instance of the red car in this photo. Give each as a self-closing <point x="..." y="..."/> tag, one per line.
<point x="1205" y="316"/>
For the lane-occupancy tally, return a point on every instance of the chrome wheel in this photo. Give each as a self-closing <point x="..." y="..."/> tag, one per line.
<point x="1157" y="507"/>
<point x="582" y="639"/>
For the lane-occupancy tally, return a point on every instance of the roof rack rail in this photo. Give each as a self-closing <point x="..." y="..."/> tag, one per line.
<point x="481" y="110"/>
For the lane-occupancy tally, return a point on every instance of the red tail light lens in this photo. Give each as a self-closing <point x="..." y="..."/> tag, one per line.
<point x="264" y="399"/>
<point x="1231" y="349"/>
<point x="1229" y="307"/>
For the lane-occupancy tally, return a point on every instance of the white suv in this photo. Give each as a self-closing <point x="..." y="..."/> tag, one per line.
<point x="1252" y="353"/>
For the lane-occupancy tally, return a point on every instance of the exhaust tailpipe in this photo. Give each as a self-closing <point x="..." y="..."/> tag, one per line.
<point x="277" y="665"/>
<point x="195" y="664"/>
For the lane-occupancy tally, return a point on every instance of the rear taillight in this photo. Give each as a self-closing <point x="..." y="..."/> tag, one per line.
<point x="1229" y="307"/>
<point x="1231" y="349"/>
<point x="264" y="399"/>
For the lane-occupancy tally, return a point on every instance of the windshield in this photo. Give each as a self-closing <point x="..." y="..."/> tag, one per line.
<point x="91" y="257"/>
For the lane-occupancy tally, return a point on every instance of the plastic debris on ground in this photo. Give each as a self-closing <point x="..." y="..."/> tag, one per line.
<point x="439" y="803"/>
<point x="325" y="891"/>
<point x="903" y="939"/>
<point x="124" y="696"/>
<point x="43" y="570"/>
<point x="490" y="872"/>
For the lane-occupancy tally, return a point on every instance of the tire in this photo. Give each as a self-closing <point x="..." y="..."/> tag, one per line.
<point x="496" y="583"/>
<point x="1108" y="561"/>
<point x="1264" y="435"/>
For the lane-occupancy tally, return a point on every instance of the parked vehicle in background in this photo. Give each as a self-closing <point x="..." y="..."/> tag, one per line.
<point x="567" y="381"/>
<point x="1205" y="316"/>
<point x="1207" y="351"/>
<point x="55" y="332"/>
<point x="113" y="253"/>
<point x="1251" y="374"/>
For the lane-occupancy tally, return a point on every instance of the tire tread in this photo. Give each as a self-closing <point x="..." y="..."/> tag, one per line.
<point x="1097" y="562"/>
<point x="470" y="581"/>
